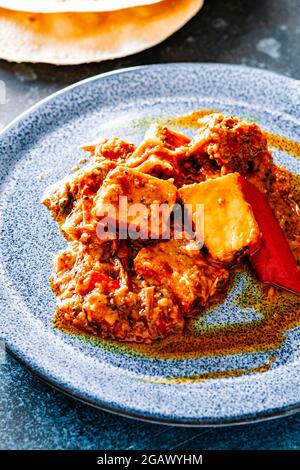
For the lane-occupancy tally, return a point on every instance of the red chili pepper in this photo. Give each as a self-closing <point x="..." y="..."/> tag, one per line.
<point x="274" y="262"/>
<point x="107" y="282"/>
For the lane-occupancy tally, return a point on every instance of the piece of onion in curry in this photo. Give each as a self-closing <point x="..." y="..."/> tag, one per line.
<point x="142" y="290"/>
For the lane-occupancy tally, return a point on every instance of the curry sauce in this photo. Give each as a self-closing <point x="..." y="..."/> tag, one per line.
<point x="278" y="310"/>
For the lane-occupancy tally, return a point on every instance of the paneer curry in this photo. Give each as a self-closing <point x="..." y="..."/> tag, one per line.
<point x="144" y="288"/>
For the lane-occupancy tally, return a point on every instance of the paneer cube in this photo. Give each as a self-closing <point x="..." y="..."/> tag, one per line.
<point x="136" y="198"/>
<point x="230" y="228"/>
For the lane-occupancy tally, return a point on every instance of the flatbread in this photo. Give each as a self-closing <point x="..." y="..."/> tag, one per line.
<point x="62" y="6"/>
<point x="74" y="38"/>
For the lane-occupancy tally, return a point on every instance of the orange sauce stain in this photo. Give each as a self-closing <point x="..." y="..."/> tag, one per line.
<point x="213" y="375"/>
<point x="284" y="144"/>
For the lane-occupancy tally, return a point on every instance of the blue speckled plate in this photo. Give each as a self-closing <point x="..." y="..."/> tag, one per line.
<point x="41" y="147"/>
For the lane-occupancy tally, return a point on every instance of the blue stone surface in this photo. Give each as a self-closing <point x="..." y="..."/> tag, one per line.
<point x="35" y="416"/>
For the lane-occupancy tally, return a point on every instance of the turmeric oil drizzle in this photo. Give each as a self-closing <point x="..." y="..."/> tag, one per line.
<point x="279" y="313"/>
<point x="284" y="144"/>
<point x="213" y="375"/>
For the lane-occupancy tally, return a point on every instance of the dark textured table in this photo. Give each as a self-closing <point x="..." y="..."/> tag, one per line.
<point x="263" y="33"/>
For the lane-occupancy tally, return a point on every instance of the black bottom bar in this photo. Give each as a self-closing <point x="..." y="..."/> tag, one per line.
<point x="143" y="459"/>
